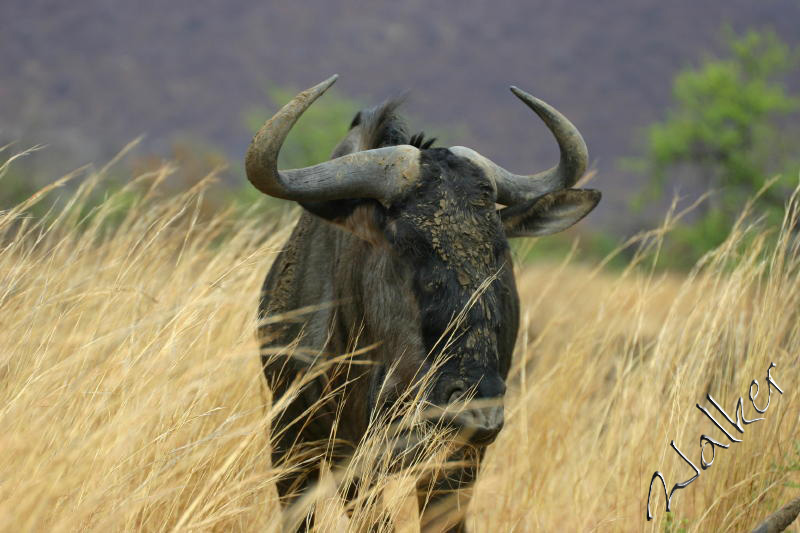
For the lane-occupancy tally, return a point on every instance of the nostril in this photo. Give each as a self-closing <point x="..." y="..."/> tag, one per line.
<point x="455" y="395"/>
<point x="502" y="388"/>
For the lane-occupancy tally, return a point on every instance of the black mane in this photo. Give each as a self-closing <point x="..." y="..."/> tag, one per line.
<point x="382" y="125"/>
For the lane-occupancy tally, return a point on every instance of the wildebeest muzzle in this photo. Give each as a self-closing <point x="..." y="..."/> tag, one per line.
<point x="475" y="409"/>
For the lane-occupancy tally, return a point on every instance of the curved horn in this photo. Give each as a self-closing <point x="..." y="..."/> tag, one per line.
<point x="516" y="188"/>
<point x="381" y="174"/>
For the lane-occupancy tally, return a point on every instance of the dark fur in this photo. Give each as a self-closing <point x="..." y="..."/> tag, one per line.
<point x="383" y="126"/>
<point x="397" y="275"/>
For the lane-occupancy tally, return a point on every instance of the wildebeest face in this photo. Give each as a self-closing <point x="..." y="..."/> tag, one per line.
<point x="448" y="234"/>
<point x="442" y="262"/>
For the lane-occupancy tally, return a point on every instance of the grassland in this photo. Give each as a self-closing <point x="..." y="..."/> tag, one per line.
<point x="131" y="397"/>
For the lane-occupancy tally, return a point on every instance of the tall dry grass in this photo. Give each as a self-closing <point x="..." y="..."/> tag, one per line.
<point x="131" y="397"/>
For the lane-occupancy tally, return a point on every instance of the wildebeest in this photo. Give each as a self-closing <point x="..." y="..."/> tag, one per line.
<point x="397" y="238"/>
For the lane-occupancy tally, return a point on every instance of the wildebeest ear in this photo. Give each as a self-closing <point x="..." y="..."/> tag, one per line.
<point x="550" y="213"/>
<point x="363" y="217"/>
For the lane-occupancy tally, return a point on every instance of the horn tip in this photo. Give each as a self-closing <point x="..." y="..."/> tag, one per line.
<point x="522" y="95"/>
<point x="330" y="81"/>
<point x="319" y="89"/>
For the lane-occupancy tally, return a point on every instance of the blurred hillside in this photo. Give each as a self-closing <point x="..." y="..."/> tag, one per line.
<point x="87" y="77"/>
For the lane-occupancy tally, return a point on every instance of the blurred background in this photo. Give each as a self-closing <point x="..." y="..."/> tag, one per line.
<point x="675" y="97"/>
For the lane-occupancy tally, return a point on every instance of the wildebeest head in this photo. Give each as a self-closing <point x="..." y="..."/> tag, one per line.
<point x="440" y="280"/>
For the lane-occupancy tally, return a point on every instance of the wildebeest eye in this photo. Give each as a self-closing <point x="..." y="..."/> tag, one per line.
<point x="485" y="195"/>
<point x="432" y="285"/>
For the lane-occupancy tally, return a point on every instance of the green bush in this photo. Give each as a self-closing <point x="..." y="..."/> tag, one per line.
<point x="730" y="126"/>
